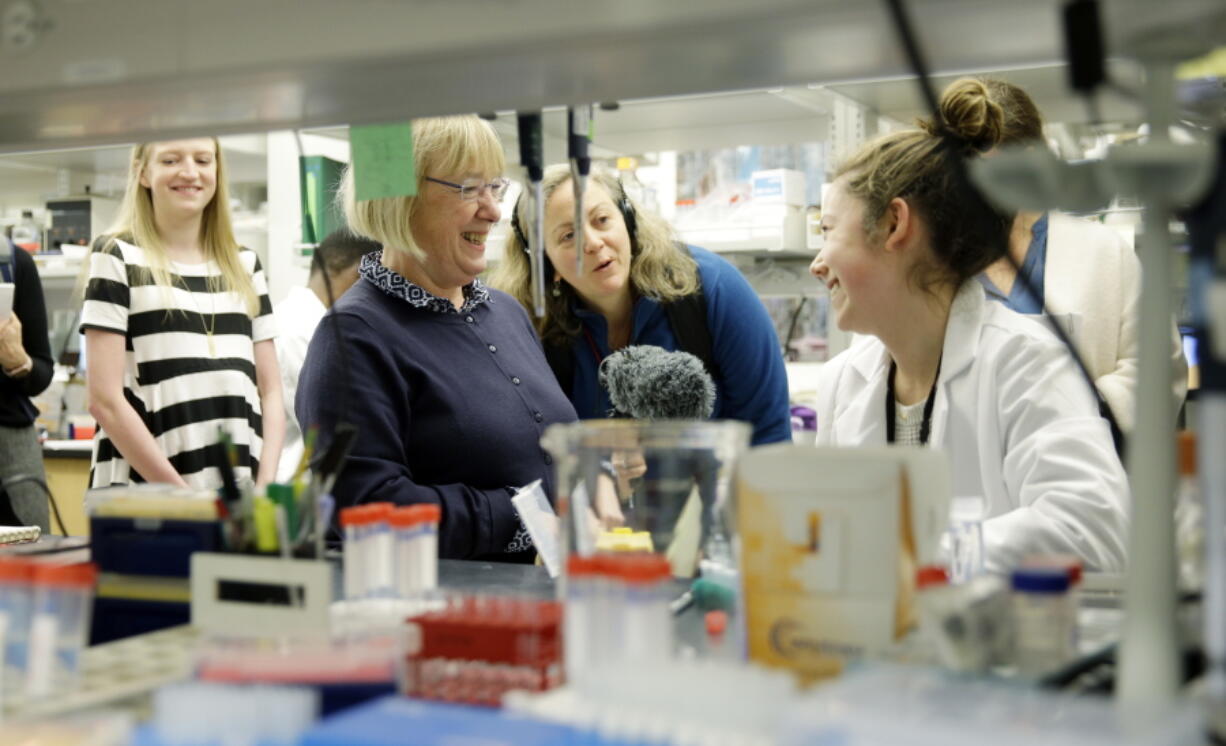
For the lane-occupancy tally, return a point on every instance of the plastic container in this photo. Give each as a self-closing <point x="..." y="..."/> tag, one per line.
<point x="578" y="632"/>
<point x="965" y="538"/>
<point x="646" y="621"/>
<point x="16" y="599"/>
<point x="430" y="516"/>
<point x="353" y="524"/>
<point x="415" y="536"/>
<point x="1044" y="619"/>
<point x="804" y="425"/>
<point x="380" y="559"/>
<point x="680" y="493"/>
<point x="58" y="625"/>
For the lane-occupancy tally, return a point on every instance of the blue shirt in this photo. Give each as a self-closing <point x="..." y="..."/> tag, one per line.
<point x="450" y="406"/>
<point x="1032" y="268"/>
<point x="752" y="384"/>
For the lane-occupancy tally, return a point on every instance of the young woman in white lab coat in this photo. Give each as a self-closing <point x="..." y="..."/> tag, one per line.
<point x="939" y="365"/>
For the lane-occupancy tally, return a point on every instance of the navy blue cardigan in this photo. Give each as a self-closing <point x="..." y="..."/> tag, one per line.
<point x="449" y="408"/>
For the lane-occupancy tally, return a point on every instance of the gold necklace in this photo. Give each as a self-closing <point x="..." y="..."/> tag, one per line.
<point x="208" y="330"/>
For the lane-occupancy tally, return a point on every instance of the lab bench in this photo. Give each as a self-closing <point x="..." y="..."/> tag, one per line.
<point x="67" y="465"/>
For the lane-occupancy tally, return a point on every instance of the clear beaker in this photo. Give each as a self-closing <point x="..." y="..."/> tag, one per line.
<point x="661" y="487"/>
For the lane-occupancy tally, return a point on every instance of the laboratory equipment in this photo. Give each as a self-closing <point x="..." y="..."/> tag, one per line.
<point x="578" y="137"/>
<point x="532" y="158"/>
<point x="192" y="713"/>
<point x="59" y="624"/>
<point x="479" y="647"/>
<point x="16" y="598"/>
<point x="829" y="537"/>
<point x="670" y="479"/>
<point x="1044" y="620"/>
<point x="965" y="537"/>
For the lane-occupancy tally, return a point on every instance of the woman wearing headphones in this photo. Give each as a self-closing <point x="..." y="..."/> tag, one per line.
<point x="639" y="286"/>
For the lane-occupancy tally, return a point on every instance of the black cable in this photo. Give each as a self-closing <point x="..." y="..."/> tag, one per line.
<point x="915" y="58"/>
<point x="22" y="479"/>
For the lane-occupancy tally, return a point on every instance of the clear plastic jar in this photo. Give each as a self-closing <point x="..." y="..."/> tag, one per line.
<point x="59" y="624"/>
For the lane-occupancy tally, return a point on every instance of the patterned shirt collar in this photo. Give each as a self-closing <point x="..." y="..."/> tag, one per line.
<point x="395" y="285"/>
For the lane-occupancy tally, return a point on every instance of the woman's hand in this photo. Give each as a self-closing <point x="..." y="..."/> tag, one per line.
<point x="606" y="504"/>
<point x="12" y="352"/>
<point x="628" y="465"/>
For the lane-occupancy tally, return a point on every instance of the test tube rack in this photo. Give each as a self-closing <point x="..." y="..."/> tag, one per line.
<point x="479" y="648"/>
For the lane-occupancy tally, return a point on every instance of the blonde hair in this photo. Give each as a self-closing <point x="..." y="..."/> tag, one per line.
<point x="441" y="145"/>
<point x="660" y="268"/>
<point x="136" y="224"/>
<point x="921" y="167"/>
<point x="1023" y="122"/>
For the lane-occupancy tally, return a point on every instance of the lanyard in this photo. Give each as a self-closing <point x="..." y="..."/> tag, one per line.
<point x="591" y="343"/>
<point x="926" y="423"/>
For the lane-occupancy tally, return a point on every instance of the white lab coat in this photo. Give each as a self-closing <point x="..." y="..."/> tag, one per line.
<point x="297" y="316"/>
<point x="1019" y="424"/>
<point x="1093" y="275"/>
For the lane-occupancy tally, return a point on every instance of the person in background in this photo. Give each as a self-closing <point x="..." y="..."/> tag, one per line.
<point x="905" y="239"/>
<point x="443" y="378"/>
<point x="179" y="331"/>
<point x="636" y="276"/>
<point x="334" y="269"/>
<point x="1081" y="270"/>
<point x="25" y="371"/>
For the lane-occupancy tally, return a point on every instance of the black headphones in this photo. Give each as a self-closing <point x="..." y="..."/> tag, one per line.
<point x="623" y="205"/>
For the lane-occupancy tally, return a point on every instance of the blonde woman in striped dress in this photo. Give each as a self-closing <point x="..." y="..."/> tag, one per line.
<point x="179" y="330"/>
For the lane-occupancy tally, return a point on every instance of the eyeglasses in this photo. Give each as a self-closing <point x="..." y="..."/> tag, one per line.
<point x="471" y="190"/>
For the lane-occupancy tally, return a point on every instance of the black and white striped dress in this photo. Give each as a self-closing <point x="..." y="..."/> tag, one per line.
<point x="183" y="387"/>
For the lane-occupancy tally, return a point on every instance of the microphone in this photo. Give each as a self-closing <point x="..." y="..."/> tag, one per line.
<point x="650" y="383"/>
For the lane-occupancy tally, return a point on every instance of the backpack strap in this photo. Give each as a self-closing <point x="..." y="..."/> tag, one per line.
<point x="688" y="318"/>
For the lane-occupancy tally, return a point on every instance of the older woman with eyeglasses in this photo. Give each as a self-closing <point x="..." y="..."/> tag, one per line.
<point x="443" y="377"/>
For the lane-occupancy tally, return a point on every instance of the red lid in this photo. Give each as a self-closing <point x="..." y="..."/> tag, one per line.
<point x="402" y="517"/>
<point x="377" y="512"/>
<point x="429" y="512"/>
<point x="644" y="568"/>
<point x="929" y="575"/>
<point x="80" y="575"/>
<point x="580" y="566"/>
<point x="716" y="622"/>
<point x="355" y="516"/>
<point x="13" y="570"/>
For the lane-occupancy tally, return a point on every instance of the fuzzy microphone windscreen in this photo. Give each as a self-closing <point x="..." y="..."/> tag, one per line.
<point x="650" y="383"/>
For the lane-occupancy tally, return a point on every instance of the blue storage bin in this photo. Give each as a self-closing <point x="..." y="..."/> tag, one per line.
<point x="150" y="546"/>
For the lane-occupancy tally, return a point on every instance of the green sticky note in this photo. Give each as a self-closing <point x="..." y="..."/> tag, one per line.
<point x="382" y="161"/>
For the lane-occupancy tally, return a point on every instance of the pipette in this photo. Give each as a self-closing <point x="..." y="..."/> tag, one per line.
<point x="577" y="123"/>
<point x="531" y="155"/>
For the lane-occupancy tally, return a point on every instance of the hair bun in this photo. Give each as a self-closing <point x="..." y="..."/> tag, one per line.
<point x="971" y="115"/>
